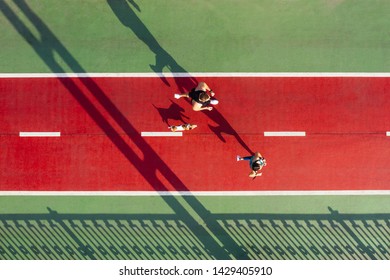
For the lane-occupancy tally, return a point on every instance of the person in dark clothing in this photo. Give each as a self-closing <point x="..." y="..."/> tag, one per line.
<point x="201" y="97"/>
<point x="256" y="163"/>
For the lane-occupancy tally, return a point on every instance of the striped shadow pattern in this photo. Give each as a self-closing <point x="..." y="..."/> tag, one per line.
<point x="55" y="236"/>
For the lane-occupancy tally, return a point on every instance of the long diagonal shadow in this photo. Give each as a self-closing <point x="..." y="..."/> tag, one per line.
<point x="129" y="18"/>
<point x="213" y="235"/>
<point x="126" y="15"/>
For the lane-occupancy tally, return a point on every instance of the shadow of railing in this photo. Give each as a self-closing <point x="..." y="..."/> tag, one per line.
<point x="124" y="11"/>
<point x="61" y="236"/>
<point x="179" y="235"/>
<point x="46" y="45"/>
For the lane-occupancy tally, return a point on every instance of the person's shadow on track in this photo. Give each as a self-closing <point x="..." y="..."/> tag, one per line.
<point x="128" y="17"/>
<point x="150" y="164"/>
<point x="224" y="127"/>
<point x="173" y="112"/>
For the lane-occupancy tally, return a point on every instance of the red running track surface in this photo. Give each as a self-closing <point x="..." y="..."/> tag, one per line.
<point x="101" y="120"/>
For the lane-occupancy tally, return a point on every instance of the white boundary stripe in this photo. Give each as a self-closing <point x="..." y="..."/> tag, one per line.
<point x="39" y="134"/>
<point x="196" y="74"/>
<point x="195" y="193"/>
<point x="284" y="133"/>
<point x="161" y="134"/>
<point x="387" y="133"/>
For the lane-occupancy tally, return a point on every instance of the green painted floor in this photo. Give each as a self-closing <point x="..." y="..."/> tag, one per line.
<point x="295" y="204"/>
<point x="187" y="227"/>
<point x="197" y="36"/>
<point x="194" y="36"/>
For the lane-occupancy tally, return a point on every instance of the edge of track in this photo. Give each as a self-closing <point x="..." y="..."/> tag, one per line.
<point x="195" y="193"/>
<point x="184" y="75"/>
<point x="199" y="74"/>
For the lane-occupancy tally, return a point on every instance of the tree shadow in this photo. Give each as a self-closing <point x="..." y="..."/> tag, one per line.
<point x="173" y="112"/>
<point x="46" y="45"/>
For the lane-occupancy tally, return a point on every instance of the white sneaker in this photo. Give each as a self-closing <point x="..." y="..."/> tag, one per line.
<point x="214" y="102"/>
<point x="239" y="158"/>
<point x="177" y="96"/>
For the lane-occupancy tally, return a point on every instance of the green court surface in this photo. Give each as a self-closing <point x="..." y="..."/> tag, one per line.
<point x="189" y="227"/>
<point x="240" y="204"/>
<point x="197" y="36"/>
<point x="43" y="36"/>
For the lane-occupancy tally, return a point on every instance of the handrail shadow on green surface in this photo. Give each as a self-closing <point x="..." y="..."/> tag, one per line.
<point x="45" y="45"/>
<point x="223" y="236"/>
<point x="167" y="237"/>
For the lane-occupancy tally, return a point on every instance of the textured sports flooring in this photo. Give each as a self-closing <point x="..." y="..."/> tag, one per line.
<point x="304" y="83"/>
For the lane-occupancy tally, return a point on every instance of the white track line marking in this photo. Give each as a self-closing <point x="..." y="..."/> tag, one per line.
<point x="195" y="193"/>
<point x="161" y="134"/>
<point x="387" y="133"/>
<point x="284" y="133"/>
<point x="197" y="74"/>
<point x="39" y="134"/>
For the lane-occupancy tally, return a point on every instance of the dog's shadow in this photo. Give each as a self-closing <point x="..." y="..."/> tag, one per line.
<point x="173" y="112"/>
